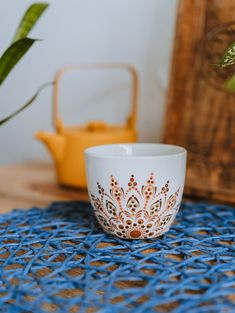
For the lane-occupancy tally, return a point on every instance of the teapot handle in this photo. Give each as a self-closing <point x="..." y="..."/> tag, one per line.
<point x="132" y="119"/>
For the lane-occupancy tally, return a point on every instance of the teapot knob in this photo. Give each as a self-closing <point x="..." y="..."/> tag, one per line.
<point x="96" y="126"/>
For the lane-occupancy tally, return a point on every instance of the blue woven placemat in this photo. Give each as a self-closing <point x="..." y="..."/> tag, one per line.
<point x="58" y="260"/>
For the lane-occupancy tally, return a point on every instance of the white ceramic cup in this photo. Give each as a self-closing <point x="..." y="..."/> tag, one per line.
<point x="136" y="189"/>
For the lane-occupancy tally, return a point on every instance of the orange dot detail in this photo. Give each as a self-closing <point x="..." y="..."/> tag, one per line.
<point x="135" y="233"/>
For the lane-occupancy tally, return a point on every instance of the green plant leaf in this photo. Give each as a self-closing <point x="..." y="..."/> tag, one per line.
<point x="228" y="58"/>
<point x="230" y="84"/>
<point x="29" y="20"/>
<point x="12" y="56"/>
<point x="6" y="119"/>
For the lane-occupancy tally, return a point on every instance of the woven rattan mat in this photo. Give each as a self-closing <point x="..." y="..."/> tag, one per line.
<point x="59" y="260"/>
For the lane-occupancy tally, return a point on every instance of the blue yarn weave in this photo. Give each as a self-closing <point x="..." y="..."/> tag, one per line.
<point x="59" y="260"/>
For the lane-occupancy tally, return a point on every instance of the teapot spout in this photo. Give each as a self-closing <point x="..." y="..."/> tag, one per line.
<point x="54" y="143"/>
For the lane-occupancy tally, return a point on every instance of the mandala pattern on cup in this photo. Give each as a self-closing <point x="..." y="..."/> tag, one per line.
<point x="135" y="213"/>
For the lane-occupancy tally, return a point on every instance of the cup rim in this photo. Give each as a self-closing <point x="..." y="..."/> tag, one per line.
<point x="94" y="151"/>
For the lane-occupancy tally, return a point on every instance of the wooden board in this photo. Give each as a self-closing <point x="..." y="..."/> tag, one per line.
<point x="28" y="185"/>
<point x="200" y="114"/>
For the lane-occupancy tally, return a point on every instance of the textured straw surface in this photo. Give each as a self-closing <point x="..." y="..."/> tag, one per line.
<point x="58" y="260"/>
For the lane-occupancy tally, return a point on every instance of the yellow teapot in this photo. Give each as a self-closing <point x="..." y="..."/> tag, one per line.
<point x="67" y="144"/>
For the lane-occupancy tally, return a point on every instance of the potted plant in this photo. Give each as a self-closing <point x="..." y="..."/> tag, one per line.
<point x="19" y="46"/>
<point x="228" y="59"/>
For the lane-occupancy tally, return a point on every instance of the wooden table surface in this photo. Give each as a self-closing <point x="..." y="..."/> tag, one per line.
<point x="32" y="184"/>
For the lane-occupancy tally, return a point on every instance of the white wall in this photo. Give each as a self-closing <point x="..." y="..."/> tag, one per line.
<point x="139" y="32"/>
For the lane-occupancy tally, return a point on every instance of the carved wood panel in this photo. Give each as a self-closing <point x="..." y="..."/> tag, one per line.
<point x="200" y="114"/>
